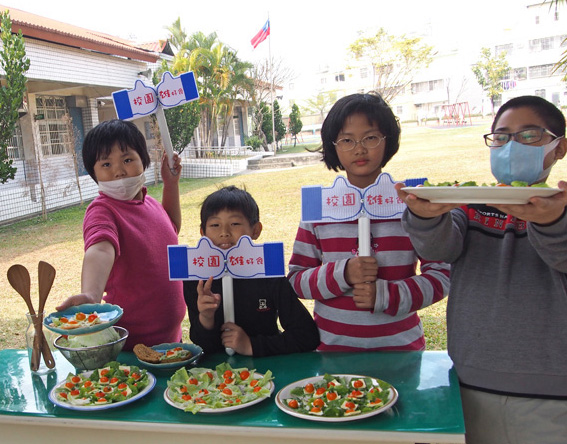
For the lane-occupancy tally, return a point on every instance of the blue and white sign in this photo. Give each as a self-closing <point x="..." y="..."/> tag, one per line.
<point x="344" y="202"/>
<point x="143" y="100"/>
<point x="245" y="260"/>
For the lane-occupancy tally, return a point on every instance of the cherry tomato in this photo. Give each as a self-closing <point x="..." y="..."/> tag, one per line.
<point x="103" y="372"/>
<point x="103" y="380"/>
<point x="315" y="410"/>
<point x="75" y="379"/>
<point x="253" y="383"/>
<point x="221" y="386"/>
<point x="227" y="374"/>
<point x="186" y="397"/>
<point x="331" y="396"/>
<point x="63" y="320"/>
<point x="80" y="316"/>
<point x="293" y="404"/>
<point x="183" y="389"/>
<point x="309" y="388"/>
<point x="193" y="381"/>
<point x="113" y="380"/>
<point x="63" y="395"/>
<point x="321" y="390"/>
<point x="257" y="389"/>
<point x="92" y="318"/>
<point x="69" y="385"/>
<point x="227" y="391"/>
<point x="244" y="374"/>
<point x="318" y="402"/>
<point x="358" y="384"/>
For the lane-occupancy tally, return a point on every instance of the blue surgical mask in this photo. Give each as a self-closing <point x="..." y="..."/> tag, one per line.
<point x="515" y="161"/>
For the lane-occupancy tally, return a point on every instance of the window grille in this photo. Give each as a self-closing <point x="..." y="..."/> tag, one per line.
<point x="51" y="124"/>
<point x="16" y="145"/>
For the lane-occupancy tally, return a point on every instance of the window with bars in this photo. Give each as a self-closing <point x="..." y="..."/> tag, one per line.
<point x="16" y="145"/>
<point x="540" y="71"/>
<point x="52" y="127"/>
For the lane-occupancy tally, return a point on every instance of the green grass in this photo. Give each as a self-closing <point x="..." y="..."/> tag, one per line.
<point x="439" y="154"/>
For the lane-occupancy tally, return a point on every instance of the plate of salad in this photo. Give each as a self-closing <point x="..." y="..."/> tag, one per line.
<point x="471" y="193"/>
<point x="336" y="398"/>
<point x="111" y="386"/>
<point x="222" y="390"/>
<point x="82" y="319"/>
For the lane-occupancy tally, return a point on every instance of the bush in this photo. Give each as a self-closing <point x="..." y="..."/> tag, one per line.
<point x="255" y="142"/>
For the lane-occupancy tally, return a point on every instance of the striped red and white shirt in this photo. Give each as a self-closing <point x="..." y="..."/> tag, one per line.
<point x="316" y="271"/>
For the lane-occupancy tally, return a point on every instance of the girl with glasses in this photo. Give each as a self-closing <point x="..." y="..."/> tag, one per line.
<point x="363" y="303"/>
<point x="507" y="311"/>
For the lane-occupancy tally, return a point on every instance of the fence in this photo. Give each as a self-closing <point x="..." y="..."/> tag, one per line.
<point x="41" y="187"/>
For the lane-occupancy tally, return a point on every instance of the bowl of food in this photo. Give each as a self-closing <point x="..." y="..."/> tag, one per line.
<point x="93" y="350"/>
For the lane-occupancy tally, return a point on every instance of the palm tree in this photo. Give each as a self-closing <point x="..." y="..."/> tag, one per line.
<point x="221" y="78"/>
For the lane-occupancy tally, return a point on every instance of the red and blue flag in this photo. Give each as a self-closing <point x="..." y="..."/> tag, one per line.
<point x="262" y="34"/>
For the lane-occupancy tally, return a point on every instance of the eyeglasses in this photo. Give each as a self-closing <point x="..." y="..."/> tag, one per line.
<point x="368" y="142"/>
<point x="528" y="136"/>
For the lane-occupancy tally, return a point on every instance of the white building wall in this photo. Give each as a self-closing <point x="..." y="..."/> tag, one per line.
<point x="64" y="64"/>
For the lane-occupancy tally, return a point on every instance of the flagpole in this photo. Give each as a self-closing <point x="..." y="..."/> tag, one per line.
<point x="272" y="85"/>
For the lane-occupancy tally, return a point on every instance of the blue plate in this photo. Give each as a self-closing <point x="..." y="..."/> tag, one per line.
<point x="109" y="314"/>
<point x="86" y="408"/>
<point x="195" y="350"/>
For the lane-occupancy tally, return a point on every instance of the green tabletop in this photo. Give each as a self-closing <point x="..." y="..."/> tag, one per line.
<point x="429" y="399"/>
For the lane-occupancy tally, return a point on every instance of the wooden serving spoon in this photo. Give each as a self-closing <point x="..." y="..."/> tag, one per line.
<point x="46" y="276"/>
<point x="19" y="278"/>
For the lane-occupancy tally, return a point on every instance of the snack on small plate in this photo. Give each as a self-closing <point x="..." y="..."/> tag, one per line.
<point x="77" y="320"/>
<point x="148" y="354"/>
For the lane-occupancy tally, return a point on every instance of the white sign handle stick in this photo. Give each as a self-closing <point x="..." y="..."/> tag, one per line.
<point x="228" y="304"/>
<point x="165" y="137"/>
<point x="363" y="236"/>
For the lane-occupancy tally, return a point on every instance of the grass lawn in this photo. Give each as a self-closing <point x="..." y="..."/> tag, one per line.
<point x="438" y="153"/>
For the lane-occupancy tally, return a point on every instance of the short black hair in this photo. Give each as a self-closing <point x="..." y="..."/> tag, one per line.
<point x="376" y="110"/>
<point x="547" y="111"/>
<point x="230" y="198"/>
<point x="100" y="140"/>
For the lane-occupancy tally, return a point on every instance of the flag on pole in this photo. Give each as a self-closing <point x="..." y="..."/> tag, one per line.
<point x="262" y="34"/>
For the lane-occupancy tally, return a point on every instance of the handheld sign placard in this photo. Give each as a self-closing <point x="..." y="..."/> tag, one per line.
<point x="244" y="260"/>
<point x="343" y="202"/>
<point x="143" y="100"/>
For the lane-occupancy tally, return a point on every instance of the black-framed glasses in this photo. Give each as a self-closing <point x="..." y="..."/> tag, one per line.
<point x="526" y="137"/>
<point x="368" y="142"/>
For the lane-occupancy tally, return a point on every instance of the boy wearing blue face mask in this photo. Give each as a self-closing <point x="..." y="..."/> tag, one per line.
<point x="507" y="308"/>
<point x="126" y="234"/>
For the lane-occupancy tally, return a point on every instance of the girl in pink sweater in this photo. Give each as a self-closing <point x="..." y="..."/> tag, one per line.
<point x="126" y="233"/>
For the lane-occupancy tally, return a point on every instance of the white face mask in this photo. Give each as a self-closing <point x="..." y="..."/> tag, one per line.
<point x="123" y="189"/>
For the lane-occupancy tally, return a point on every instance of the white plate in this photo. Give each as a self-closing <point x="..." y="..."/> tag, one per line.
<point x="195" y="350"/>
<point x="270" y="385"/>
<point x="480" y="195"/>
<point x="86" y="408"/>
<point x="285" y="393"/>
<point x="109" y="314"/>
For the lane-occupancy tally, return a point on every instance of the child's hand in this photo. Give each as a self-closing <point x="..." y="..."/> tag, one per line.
<point x="422" y="207"/>
<point x="77" y="299"/>
<point x="236" y="338"/>
<point x="540" y="210"/>
<point x="361" y="269"/>
<point x="364" y="295"/>
<point x="207" y="303"/>
<point x="168" y="174"/>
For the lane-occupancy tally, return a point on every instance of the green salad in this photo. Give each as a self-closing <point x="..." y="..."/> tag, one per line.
<point x="112" y="383"/>
<point x="472" y="183"/>
<point x="199" y="388"/>
<point x="337" y="396"/>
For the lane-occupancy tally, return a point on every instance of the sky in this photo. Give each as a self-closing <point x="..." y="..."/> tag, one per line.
<point x="305" y="33"/>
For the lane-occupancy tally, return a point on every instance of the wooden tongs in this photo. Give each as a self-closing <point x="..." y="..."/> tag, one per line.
<point x="19" y="278"/>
